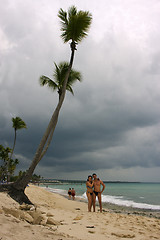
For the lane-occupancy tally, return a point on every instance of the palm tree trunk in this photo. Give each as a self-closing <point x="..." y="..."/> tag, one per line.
<point x="22" y="183"/>
<point x="47" y="144"/>
<point x="14" y="143"/>
<point x="64" y="86"/>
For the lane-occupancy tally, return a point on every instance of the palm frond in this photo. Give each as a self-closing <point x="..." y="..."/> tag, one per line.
<point x="69" y="88"/>
<point x="63" y="16"/>
<point x="74" y="76"/>
<point x="79" y="26"/>
<point x="63" y="68"/>
<point x="75" y="25"/>
<point x="72" y="11"/>
<point x="56" y="73"/>
<point x="18" y="123"/>
<point x="59" y="75"/>
<point x="60" y="72"/>
<point x="47" y="81"/>
<point x="64" y="22"/>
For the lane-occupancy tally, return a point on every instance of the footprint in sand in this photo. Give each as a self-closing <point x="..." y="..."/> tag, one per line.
<point x="91" y="232"/>
<point x="90" y="226"/>
<point x="78" y="218"/>
<point x="151" y="237"/>
<point x="122" y="235"/>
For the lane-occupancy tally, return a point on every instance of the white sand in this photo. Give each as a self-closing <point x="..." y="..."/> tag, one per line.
<point x="71" y="219"/>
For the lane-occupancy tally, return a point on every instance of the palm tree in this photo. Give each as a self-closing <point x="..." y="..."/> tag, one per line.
<point x="4" y="156"/>
<point x="59" y="76"/>
<point x="18" y="124"/>
<point x="75" y="25"/>
<point x="11" y="167"/>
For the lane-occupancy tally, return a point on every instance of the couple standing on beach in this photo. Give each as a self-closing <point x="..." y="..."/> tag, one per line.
<point x="94" y="190"/>
<point x="71" y="193"/>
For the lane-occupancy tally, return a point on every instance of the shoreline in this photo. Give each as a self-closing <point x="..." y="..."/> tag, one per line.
<point x="110" y="207"/>
<point x="132" y="211"/>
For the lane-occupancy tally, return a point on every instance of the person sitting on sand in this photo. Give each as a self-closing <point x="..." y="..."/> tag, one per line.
<point x="89" y="193"/>
<point x="97" y="191"/>
<point x="73" y="193"/>
<point x="69" y="193"/>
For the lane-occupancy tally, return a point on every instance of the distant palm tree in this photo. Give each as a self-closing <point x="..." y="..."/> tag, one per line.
<point x="4" y="156"/>
<point x="11" y="167"/>
<point x="18" y="124"/>
<point x="59" y="76"/>
<point x="75" y="25"/>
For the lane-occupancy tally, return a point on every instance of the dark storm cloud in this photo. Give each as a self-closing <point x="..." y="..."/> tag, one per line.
<point x="113" y="120"/>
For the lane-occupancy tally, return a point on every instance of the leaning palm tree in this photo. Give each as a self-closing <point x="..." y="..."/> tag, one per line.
<point x="75" y="25"/>
<point x="59" y="76"/>
<point x="18" y="124"/>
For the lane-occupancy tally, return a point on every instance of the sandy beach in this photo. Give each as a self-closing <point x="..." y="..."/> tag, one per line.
<point x="55" y="217"/>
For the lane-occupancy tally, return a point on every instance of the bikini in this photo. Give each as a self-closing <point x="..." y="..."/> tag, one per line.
<point x="90" y="188"/>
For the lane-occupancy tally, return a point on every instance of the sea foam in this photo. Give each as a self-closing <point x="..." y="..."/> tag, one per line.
<point x="119" y="200"/>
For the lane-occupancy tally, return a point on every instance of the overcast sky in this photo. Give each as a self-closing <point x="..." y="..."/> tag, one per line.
<point x="111" y="125"/>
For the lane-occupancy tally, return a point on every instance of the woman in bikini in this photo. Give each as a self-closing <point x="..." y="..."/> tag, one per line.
<point x="89" y="193"/>
<point x="69" y="194"/>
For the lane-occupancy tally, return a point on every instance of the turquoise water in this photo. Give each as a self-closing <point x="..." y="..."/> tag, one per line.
<point x="139" y="195"/>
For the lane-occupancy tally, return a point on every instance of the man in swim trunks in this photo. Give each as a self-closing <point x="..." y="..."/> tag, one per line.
<point x="69" y="193"/>
<point x="97" y="191"/>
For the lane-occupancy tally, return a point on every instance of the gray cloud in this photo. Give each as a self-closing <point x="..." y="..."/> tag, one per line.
<point x="113" y="121"/>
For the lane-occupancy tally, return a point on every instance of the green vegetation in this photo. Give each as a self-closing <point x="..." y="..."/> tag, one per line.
<point x="59" y="76"/>
<point x="8" y="165"/>
<point x="18" y="124"/>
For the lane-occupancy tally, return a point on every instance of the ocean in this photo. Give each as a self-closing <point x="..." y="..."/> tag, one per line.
<point x="135" y="195"/>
